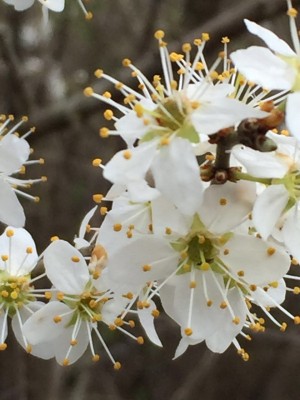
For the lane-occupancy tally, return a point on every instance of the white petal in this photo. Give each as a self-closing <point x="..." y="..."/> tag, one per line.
<point x="221" y="339"/>
<point x="126" y="264"/>
<point x="41" y="328"/>
<point x="13" y="153"/>
<point x="131" y="128"/>
<point x="43" y="350"/>
<point x="261" y="66"/>
<point x="140" y="191"/>
<point x="54" y="5"/>
<point x="11" y="211"/>
<point x="62" y="344"/>
<point x="183" y="188"/>
<point x="16" y="247"/>
<point x="122" y="170"/>
<point x="268" y="208"/>
<point x="252" y="256"/>
<point x="166" y="215"/>
<point x="20" y="5"/>
<point x="226" y="206"/>
<point x="291" y="233"/>
<point x="274" y="295"/>
<point x="183" y="345"/>
<point x="85" y="221"/>
<point x="260" y="165"/>
<point x="66" y="275"/>
<point x="292" y="114"/>
<point x="272" y="41"/>
<point x="211" y="117"/>
<point x="147" y="322"/>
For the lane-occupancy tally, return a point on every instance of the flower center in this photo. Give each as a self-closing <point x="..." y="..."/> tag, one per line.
<point x="171" y="117"/>
<point x="14" y="292"/>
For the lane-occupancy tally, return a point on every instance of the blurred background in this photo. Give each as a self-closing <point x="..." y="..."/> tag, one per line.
<point x="43" y="71"/>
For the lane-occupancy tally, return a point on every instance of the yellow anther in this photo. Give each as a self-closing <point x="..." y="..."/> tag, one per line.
<point x="22" y="170"/>
<point x="159" y="34"/>
<point x="66" y="362"/>
<point x="126" y="62"/>
<point x="292" y="12"/>
<point x="197" y="42"/>
<point x="131" y="323"/>
<point x="164" y="141"/>
<point x="4" y="293"/>
<point x="223" y="305"/>
<point x="147" y="268"/>
<point x="3" y="346"/>
<point x="4" y="257"/>
<point x="57" y="319"/>
<point x="274" y="284"/>
<point x="95" y="358"/>
<point x="271" y="251"/>
<point x="129" y="234"/>
<point x="253" y="287"/>
<point x="199" y="66"/>
<point x="223" y="201"/>
<point x="226" y="252"/>
<point x="296" y="290"/>
<point x="294" y="261"/>
<point x="97" y="317"/>
<point x="186" y="47"/>
<point x="193" y="284"/>
<point x="128" y="296"/>
<point x="241" y="273"/>
<point x="205" y="36"/>
<point x="168" y="231"/>
<point x="97" y="198"/>
<point x="118" y="322"/>
<point x="75" y="259"/>
<point x="60" y="296"/>
<point x="88" y="91"/>
<point x="104" y="132"/>
<point x="225" y="39"/>
<point x="214" y="75"/>
<point x="10" y="232"/>
<point x="117" y="366"/>
<point x="48" y="295"/>
<point x="97" y="162"/>
<point x="245" y="357"/>
<point x="117" y="227"/>
<point x="186" y="267"/>
<point x="127" y="154"/>
<point x="283" y="327"/>
<point x="297" y="320"/>
<point x="155" y="313"/>
<point x="28" y="348"/>
<point x="285" y="132"/>
<point x="103" y="210"/>
<point x="108" y="114"/>
<point x="44" y="178"/>
<point x="89" y="16"/>
<point x="14" y="295"/>
<point x="53" y="238"/>
<point x="73" y="342"/>
<point x="37" y="199"/>
<point x="98" y="73"/>
<point x="204" y="266"/>
<point x="139" y="110"/>
<point x="236" y="320"/>
<point x="140" y="340"/>
<point x="188" y="331"/>
<point x="209" y="303"/>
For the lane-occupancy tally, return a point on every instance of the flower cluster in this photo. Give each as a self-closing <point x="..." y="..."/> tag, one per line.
<point x="202" y="219"/>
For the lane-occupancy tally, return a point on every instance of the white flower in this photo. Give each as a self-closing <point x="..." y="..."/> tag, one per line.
<point x="275" y="70"/>
<point x="14" y="154"/>
<point x="205" y="272"/>
<point x="18" y="298"/>
<point x="67" y="325"/>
